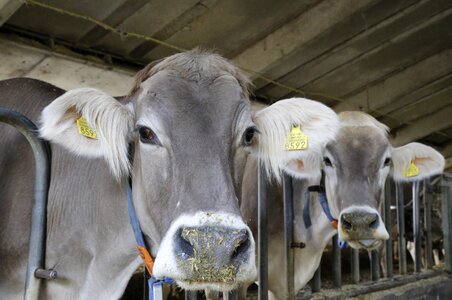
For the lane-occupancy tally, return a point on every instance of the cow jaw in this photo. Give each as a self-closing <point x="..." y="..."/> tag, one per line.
<point x="200" y="252"/>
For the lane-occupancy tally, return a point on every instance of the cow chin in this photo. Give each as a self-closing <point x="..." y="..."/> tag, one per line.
<point x="212" y="251"/>
<point x="365" y="244"/>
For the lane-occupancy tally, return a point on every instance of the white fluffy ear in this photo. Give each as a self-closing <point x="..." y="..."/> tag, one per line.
<point x="317" y="121"/>
<point x="111" y="120"/>
<point x="427" y="160"/>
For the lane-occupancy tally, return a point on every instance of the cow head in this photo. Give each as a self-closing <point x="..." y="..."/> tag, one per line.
<point x="189" y="121"/>
<point x="356" y="165"/>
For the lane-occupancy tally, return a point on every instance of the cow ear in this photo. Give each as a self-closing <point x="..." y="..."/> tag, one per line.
<point x="287" y="122"/>
<point x="415" y="161"/>
<point x="101" y="132"/>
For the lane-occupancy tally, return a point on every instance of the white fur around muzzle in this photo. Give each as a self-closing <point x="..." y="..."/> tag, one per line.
<point x="166" y="263"/>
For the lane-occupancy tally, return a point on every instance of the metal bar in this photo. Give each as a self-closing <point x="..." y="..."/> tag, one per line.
<point x="262" y="234"/>
<point x="355" y="265"/>
<point x="427" y="191"/>
<point x="337" y="270"/>
<point x="41" y="152"/>
<point x="191" y="295"/>
<point x="416" y="227"/>
<point x="233" y="295"/>
<point x="388" y="222"/>
<point x="288" y="235"/>
<point x="375" y="265"/>
<point x="401" y="229"/>
<point x="446" y="197"/>
<point x="316" y="282"/>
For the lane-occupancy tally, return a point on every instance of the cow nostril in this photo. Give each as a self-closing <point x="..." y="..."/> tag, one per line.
<point x="374" y="224"/>
<point x="242" y="244"/>
<point x="184" y="243"/>
<point x="346" y="225"/>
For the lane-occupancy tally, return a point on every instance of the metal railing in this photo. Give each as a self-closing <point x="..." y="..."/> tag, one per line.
<point x="420" y="235"/>
<point x="41" y="151"/>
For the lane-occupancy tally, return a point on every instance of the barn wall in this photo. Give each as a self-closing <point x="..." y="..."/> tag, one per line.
<point x="21" y="60"/>
<point x="65" y="71"/>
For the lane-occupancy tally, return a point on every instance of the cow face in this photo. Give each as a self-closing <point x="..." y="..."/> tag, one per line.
<point x="189" y="121"/>
<point x="189" y="132"/>
<point x="356" y="166"/>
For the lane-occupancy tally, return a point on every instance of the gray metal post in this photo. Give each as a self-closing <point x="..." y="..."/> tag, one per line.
<point x="191" y="295"/>
<point x="316" y="282"/>
<point x="232" y="295"/>
<point x="355" y="265"/>
<point x="375" y="265"/>
<point x="401" y="229"/>
<point x="388" y="222"/>
<point x="262" y="234"/>
<point x="288" y="235"/>
<point x="337" y="270"/>
<point x="446" y="196"/>
<point x="41" y="152"/>
<point x="428" y="192"/>
<point x="416" y="227"/>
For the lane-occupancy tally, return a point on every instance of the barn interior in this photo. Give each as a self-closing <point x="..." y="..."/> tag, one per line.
<point x="391" y="59"/>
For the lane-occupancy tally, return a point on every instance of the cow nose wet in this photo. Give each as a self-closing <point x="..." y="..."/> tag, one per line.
<point x="212" y="253"/>
<point x="359" y="221"/>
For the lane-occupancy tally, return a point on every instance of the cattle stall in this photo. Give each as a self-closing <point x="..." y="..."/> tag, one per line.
<point x="408" y="211"/>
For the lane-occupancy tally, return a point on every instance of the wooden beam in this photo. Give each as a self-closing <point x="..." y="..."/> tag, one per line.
<point x="448" y="167"/>
<point x="383" y="22"/>
<point x="8" y="8"/>
<point x="423" y="127"/>
<point x="117" y="17"/>
<point x="447" y="151"/>
<point x="392" y="88"/>
<point x="266" y="53"/>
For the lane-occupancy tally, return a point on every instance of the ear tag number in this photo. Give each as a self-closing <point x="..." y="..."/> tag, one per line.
<point x="85" y="129"/>
<point x="297" y="139"/>
<point x="412" y="171"/>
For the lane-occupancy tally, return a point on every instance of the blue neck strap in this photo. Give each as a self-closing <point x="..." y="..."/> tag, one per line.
<point x="326" y="209"/>
<point x="154" y="285"/>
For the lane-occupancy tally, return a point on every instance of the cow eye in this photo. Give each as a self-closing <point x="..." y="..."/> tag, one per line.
<point x="248" y="136"/>
<point x="147" y="135"/>
<point x="387" y="162"/>
<point x="327" y="162"/>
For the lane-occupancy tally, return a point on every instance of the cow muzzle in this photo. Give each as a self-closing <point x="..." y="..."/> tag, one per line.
<point x="362" y="227"/>
<point x="207" y="251"/>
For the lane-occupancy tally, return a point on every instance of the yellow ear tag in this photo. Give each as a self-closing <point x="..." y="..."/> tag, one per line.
<point x="297" y="139"/>
<point x="85" y="129"/>
<point x="412" y="171"/>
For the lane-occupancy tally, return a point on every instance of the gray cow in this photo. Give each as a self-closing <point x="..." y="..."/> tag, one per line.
<point x="356" y="165"/>
<point x="189" y="120"/>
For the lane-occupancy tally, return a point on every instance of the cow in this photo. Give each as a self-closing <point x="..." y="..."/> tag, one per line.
<point x="355" y="167"/>
<point x="182" y="137"/>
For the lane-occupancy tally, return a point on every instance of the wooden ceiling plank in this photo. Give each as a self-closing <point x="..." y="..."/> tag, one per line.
<point x="419" y="108"/>
<point x="8" y="8"/>
<point x="266" y="53"/>
<point x="447" y="151"/>
<point x="376" y="34"/>
<point x="117" y="17"/>
<point x="176" y="25"/>
<point x="423" y="127"/>
<point x="397" y="85"/>
<point x="431" y="88"/>
<point x="388" y="59"/>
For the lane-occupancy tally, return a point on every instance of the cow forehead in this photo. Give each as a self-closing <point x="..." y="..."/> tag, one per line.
<point x="359" y="146"/>
<point x="175" y="98"/>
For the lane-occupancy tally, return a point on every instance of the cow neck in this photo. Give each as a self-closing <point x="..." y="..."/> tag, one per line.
<point x="323" y="202"/>
<point x="154" y="284"/>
